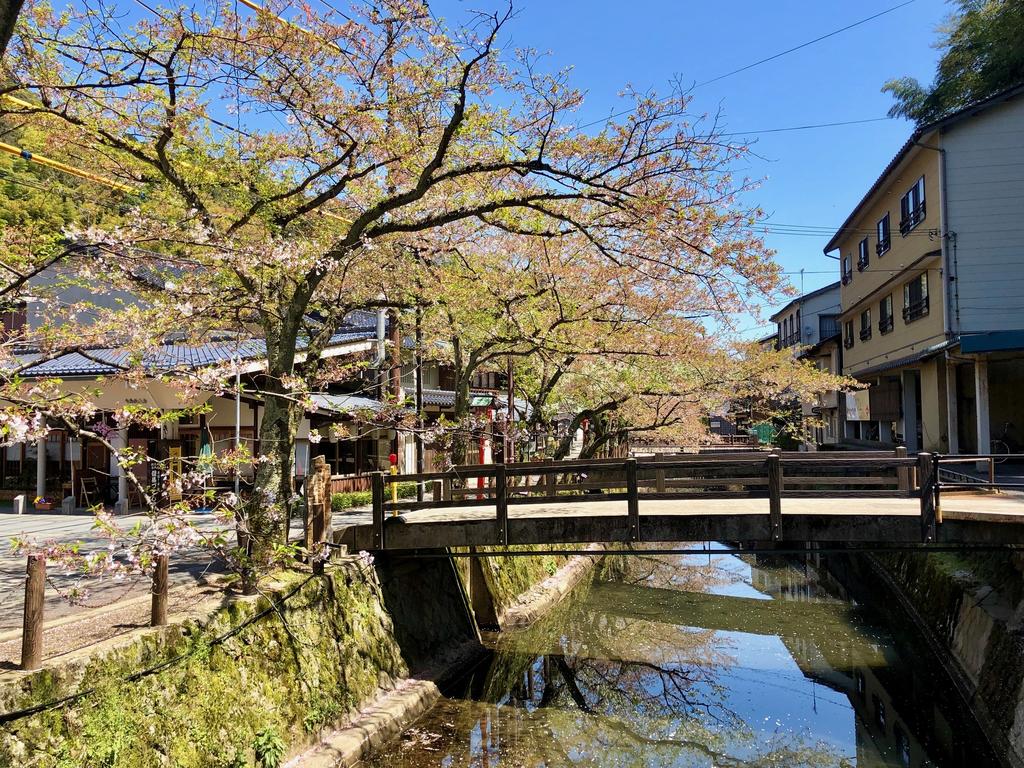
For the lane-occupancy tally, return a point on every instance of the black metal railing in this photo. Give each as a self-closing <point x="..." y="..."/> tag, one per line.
<point x="913" y="218"/>
<point x="915" y="310"/>
<point x="885" y="325"/>
<point x="829" y="326"/>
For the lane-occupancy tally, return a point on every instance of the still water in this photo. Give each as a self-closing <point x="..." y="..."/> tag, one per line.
<point x="709" y="660"/>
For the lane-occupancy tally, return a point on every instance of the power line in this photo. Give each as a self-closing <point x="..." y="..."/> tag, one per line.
<point x="807" y="127"/>
<point x="765" y="60"/>
<point x="804" y="45"/>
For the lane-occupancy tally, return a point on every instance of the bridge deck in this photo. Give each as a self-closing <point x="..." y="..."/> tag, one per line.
<point x="968" y="519"/>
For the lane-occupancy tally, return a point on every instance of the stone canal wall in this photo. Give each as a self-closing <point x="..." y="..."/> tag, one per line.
<point x="259" y="681"/>
<point x="972" y="606"/>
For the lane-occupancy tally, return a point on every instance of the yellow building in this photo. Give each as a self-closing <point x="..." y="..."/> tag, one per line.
<point x="932" y="275"/>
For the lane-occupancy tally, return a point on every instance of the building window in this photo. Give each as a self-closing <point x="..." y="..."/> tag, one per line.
<point x="915" y="298"/>
<point x="848" y="334"/>
<point x="885" y="314"/>
<point x="847" y="270"/>
<point x="912" y="209"/>
<point x="882" y="231"/>
<point x="865" y="325"/>
<point x="862" y="255"/>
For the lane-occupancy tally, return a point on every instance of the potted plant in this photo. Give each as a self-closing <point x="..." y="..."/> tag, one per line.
<point x="42" y="503"/>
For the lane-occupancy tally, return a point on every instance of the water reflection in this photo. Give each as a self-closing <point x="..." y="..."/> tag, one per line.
<point x="698" y="661"/>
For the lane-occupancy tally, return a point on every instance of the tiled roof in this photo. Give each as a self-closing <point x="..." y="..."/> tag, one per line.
<point x="175" y="355"/>
<point x="346" y="403"/>
<point x="445" y="398"/>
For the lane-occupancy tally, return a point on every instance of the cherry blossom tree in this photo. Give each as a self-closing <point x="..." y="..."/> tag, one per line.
<point x="294" y="165"/>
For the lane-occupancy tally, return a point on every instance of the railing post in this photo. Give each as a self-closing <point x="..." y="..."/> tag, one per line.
<point x="632" y="500"/>
<point x="902" y="473"/>
<point x="659" y="480"/>
<point x="32" y="623"/>
<point x="926" y="488"/>
<point x="377" y="491"/>
<point x="158" y="607"/>
<point x="446" y="489"/>
<point x="437" y="488"/>
<point x="992" y="471"/>
<point x="775" y="495"/>
<point x="501" y="502"/>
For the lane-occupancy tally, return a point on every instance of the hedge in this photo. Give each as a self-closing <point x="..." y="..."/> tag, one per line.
<point x="341" y="502"/>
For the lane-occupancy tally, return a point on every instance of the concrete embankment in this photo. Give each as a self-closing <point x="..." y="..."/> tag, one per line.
<point x="971" y="609"/>
<point x="344" y="661"/>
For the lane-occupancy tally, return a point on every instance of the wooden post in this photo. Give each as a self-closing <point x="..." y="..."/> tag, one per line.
<point x="501" y="502"/>
<point x="437" y="490"/>
<point x="775" y="495"/>
<point x="158" y="611"/>
<point x="377" y="491"/>
<point x="632" y="500"/>
<point x="902" y="473"/>
<point x="659" y="480"/>
<point x="992" y="470"/>
<point x="318" y="502"/>
<point x="926" y="488"/>
<point x="32" y="625"/>
<point x="446" y="489"/>
<point x="551" y="480"/>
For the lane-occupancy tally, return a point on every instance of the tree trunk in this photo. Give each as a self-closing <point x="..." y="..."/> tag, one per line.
<point x="271" y="504"/>
<point x="460" y="441"/>
<point x="9" y="10"/>
<point x="268" y="512"/>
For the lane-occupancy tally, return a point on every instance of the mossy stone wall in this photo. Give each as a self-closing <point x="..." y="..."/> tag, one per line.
<point x="971" y="602"/>
<point x="281" y="678"/>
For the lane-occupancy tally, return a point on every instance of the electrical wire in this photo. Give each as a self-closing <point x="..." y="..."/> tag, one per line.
<point x="773" y="57"/>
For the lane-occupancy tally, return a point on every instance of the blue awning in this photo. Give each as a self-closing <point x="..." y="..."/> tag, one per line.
<point x="992" y="341"/>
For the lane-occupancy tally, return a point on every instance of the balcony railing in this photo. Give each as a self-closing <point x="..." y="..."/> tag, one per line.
<point x="791" y="340"/>
<point x="885" y="325"/>
<point x="862" y="263"/>
<point x="914" y="218"/>
<point x="915" y="310"/>
<point x="829" y="326"/>
<point x="847" y="277"/>
<point x="882" y="246"/>
<point x="865" y="333"/>
<point x="848" y="342"/>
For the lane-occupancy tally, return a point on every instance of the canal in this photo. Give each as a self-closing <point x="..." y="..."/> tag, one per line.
<point x="709" y="660"/>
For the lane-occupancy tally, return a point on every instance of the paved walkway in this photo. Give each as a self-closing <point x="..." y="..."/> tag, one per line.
<point x="186" y="568"/>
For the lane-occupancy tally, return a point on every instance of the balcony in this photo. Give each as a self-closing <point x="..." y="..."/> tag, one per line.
<point x="865" y="333"/>
<point x="828" y="326"/>
<point x="882" y="246"/>
<point x="848" y="342"/>
<point x="792" y="340"/>
<point x="915" y="310"/>
<point x="862" y="263"/>
<point x="914" y="218"/>
<point x="847" y="277"/>
<point x="885" y="325"/>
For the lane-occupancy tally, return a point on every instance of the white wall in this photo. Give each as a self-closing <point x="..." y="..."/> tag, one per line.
<point x="985" y="205"/>
<point x="826" y="303"/>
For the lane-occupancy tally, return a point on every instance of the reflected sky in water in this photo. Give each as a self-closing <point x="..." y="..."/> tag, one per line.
<point x="698" y="660"/>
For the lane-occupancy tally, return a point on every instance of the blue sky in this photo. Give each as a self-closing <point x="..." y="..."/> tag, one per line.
<point x="811" y="177"/>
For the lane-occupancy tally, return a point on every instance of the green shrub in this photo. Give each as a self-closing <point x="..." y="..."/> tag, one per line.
<point x="269" y="748"/>
<point x="341" y="502"/>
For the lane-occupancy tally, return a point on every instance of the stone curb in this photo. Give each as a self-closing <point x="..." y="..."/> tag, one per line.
<point x="378" y="724"/>
<point x="551" y="591"/>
